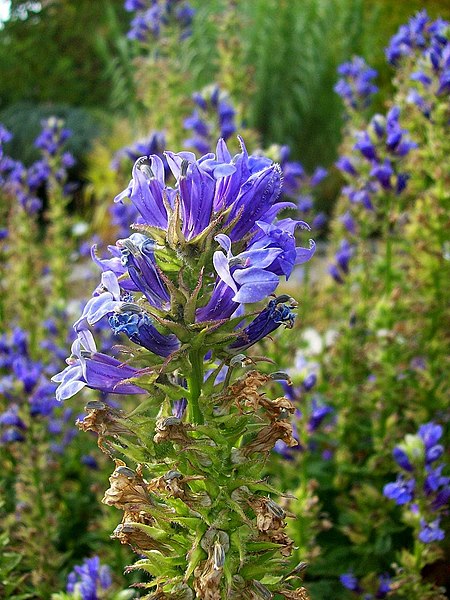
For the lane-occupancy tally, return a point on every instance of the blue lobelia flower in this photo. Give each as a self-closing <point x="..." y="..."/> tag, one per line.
<point x="402" y="491"/>
<point x="430" y="433"/>
<point x="87" y="367"/>
<point x="11" y="418"/>
<point x="139" y="259"/>
<point x="355" y="86"/>
<point x="89" y="579"/>
<point x="140" y="329"/>
<point x="401" y="458"/>
<point x="431" y="532"/>
<point x="318" y="414"/>
<point x="277" y="312"/>
<point x="350" y="582"/>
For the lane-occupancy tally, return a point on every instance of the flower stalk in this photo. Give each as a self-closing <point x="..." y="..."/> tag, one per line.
<point x="189" y="456"/>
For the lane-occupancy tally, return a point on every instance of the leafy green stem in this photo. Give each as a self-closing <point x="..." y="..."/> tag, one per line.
<point x="195" y="381"/>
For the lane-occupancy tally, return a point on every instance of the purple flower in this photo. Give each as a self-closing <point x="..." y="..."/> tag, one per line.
<point x="356" y="87"/>
<point x="53" y="136"/>
<point x="345" y="165"/>
<point x="318" y="176"/>
<point x="89" y="368"/>
<point x="350" y="582"/>
<point x="139" y="328"/>
<point x="335" y="274"/>
<point x="216" y="116"/>
<point x="5" y="135"/>
<point x="348" y="221"/>
<point x="366" y="146"/>
<point x="319" y="221"/>
<point x="384" y="586"/>
<point x="416" y="35"/>
<point x="89" y="578"/>
<point x="139" y="259"/>
<point x="151" y="17"/>
<point x="309" y="382"/>
<point x="89" y="461"/>
<point x="401" y="458"/>
<point x="383" y="172"/>
<point x="42" y="400"/>
<point x="402" y="491"/>
<point x="10" y="418"/>
<point x="317" y="415"/>
<point x="275" y="314"/>
<point x="431" y="532"/>
<point x="11" y="435"/>
<point x="430" y="433"/>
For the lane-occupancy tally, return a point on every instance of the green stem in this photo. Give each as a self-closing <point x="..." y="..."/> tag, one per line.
<point x="388" y="257"/>
<point x="195" y="381"/>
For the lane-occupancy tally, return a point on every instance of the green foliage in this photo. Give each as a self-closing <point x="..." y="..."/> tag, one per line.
<point x="388" y="314"/>
<point x="24" y="121"/>
<point x="294" y="48"/>
<point x="49" y="55"/>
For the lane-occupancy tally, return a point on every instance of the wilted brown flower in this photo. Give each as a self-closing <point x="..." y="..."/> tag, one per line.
<point x="172" y="429"/>
<point x="266" y="438"/>
<point x="105" y="421"/>
<point x="209" y="572"/>
<point x="174" y="484"/>
<point x="270" y="522"/>
<point x="269" y="515"/>
<point x="129" y="533"/>
<point x="281" y="408"/>
<point x="299" y="594"/>
<point x="128" y="489"/>
<point x="244" y="391"/>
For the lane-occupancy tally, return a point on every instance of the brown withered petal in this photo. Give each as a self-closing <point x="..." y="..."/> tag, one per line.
<point x="244" y="391"/>
<point x="128" y="533"/>
<point x="299" y="594"/>
<point x="266" y="438"/>
<point x="281" y="408"/>
<point x="172" y="429"/>
<point x="127" y="488"/>
<point x="137" y="517"/>
<point x="105" y="421"/>
<point x="207" y="580"/>
<point x="174" y="484"/>
<point x="208" y="574"/>
<point x="269" y="516"/>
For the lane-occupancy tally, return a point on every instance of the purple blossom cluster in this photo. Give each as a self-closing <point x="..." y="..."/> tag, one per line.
<point x="88" y="580"/>
<point x="29" y="393"/>
<point x="420" y="485"/>
<point x="311" y="413"/>
<point x="355" y="86"/>
<point x="352" y="583"/>
<point x="24" y="184"/>
<point x="428" y="44"/>
<point x="300" y="186"/>
<point x="124" y="213"/>
<point x="376" y="164"/>
<point x="213" y="118"/>
<point x="155" y="143"/>
<point x="340" y="267"/>
<point x="53" y="137"/>
<point x="242" y="193"/>
<point x="153" y="15"/>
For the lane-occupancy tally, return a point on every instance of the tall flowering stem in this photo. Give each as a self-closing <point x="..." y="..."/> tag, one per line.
<point x="189" y="456"/>
<point x="51" y="142"/>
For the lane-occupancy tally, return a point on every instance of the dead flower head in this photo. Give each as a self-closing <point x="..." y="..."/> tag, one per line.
<point x="128" y="489"/>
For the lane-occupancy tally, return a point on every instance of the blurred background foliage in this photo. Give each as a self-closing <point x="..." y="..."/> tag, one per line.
<point x="72" y="58"/>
